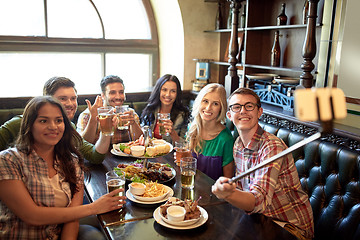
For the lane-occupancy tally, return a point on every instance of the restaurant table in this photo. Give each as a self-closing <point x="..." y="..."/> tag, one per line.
<point x="135" y="220"/>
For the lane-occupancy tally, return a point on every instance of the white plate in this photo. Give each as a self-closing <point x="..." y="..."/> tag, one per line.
<point x="122" y="154"/>
<point x="262" y="76"/>
<point x="181" y="223"/>
<point x="151" y="199"/>
<point x="203" y="218"/>
<point x="287" y="80"/>
<point x="119" y="153"/>
<point x="131" y="197"/>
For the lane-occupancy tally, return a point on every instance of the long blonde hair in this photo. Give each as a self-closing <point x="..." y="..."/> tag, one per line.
<point x="194" y="133"/>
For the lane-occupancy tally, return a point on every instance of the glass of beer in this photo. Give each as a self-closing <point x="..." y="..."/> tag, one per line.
<point x="115" y="181"/>
<point x="161" y="118"/>
<point x="188" y="171"/>
<point x="106" y="115"/>
<point x="187" y="193"/>
<point x="181" y="150"/>
<point x="120" y="112"/>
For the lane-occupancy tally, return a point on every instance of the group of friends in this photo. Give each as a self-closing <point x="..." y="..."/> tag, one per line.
<point x="42" y="158"/>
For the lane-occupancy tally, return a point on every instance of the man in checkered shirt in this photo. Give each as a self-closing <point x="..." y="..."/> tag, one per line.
<point x="274" y="190"/>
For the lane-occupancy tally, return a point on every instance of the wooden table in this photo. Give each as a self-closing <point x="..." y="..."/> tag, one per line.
<point x="135" y="221"/>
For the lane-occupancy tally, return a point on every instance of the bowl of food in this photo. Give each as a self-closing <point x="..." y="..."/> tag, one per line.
<point x="153" y="192"/>
<point x="137" y="188"/>
<point x="137" y="151"/>
<point x="153" y="171"/>
<point x="176" y="213"/>
<point x="192" y="215"/>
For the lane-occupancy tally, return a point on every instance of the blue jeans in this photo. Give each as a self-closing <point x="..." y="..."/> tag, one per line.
<point x="89" y="229"/>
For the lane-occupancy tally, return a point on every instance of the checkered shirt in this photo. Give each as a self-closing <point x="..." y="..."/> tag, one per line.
<point x="276" y="187"/>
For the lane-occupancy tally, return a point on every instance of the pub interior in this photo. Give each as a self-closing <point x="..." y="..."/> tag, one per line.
<point x="230" y="42"/>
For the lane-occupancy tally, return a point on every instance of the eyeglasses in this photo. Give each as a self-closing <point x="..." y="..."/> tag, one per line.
<point x="249" y="106"/>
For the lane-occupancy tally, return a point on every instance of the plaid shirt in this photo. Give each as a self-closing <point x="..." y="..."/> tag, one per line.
<point x="119" y="135"/>
<point x="276" y="187"/>
<point x="33" y="172"/>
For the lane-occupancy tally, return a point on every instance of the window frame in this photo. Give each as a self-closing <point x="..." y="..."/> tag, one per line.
<point x="91" y="45"/>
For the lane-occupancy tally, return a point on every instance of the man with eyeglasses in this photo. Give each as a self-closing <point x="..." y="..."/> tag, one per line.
<point x="273" y="190"/>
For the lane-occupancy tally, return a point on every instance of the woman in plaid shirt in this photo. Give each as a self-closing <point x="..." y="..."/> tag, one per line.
<point x="41" y="179"/>
<point x="273" y="190"/>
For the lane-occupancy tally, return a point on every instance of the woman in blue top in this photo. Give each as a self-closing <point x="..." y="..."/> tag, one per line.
<point x="210" y="141"/>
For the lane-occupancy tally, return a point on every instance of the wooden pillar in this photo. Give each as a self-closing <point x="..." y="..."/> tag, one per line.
<point x="309" y="47"/>
<point x="232" y="78"/>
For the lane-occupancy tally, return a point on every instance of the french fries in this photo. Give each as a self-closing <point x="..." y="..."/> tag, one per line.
<point x="154" y="189"/>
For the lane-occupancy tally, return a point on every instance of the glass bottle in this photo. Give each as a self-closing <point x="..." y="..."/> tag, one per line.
<point x="282" y="18"/>
<point x="275" y="51"/>
<point x="305" y="11"/>
<point x="219" y="18"/>
<point x="243" y="17"/>
<point x="229" y="21"/>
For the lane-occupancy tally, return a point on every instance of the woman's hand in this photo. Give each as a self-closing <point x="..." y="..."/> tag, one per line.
<point x="222" y="189"/>
<point x="109" y="202"/>
<point x="168" y="125"/>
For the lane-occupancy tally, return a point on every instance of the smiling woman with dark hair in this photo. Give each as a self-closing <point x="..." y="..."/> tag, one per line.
<point x="47" y="172"/>
<point x="167" y="98"/>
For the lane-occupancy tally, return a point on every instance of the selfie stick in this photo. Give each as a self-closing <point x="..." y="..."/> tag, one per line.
<point x="332" y="107"/>
<point x="273" y="158"/>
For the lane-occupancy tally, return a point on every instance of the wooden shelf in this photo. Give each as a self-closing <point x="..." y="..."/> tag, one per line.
<point x="274" y="68"/>
<point x="226" y="64"/>
<point x="278" y="27"/>
<point x="295" y="26"/>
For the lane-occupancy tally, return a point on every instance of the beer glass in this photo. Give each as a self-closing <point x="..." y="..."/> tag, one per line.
<point x="106" y="115"/>
<point x="115" y="181"/>
<point x="161" y="118"/>
<point x="181" y="150"/>
<point x="120" y="112"/>
<point x="188" y="170"/>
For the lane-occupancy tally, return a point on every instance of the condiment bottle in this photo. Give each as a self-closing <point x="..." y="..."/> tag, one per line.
<point x="282" y="18"/>
<point x="146" y="132"/>
<point x="275" y="52"/>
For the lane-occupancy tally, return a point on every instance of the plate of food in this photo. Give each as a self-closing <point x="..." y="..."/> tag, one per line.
<point x="156" y="193"/>
<point x="156" y="148"/>
<point x="261" y="76"/>
<point x="154" y="171"/>
<point x="195" y="215"/>
<point x="288" y="80"/>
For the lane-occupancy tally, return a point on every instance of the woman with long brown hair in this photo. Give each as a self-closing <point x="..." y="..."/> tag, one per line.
<point x="42" y="178"/>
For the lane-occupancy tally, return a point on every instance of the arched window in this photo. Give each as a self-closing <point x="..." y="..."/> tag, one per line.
<point x="83" y="40"/>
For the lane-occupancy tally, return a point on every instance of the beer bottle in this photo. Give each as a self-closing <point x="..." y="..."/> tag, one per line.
<point x="305" y="11"/>
<point x="219" y="18"/>
<point x="275" y="52"/>
<point x="282" y="18"/>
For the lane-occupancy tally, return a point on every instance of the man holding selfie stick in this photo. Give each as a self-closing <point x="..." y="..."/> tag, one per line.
<point x="273" y="190"/>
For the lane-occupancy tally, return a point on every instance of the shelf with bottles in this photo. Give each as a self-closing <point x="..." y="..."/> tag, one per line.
<point x="263" y="13"/>
<point x="259" y="45"/>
